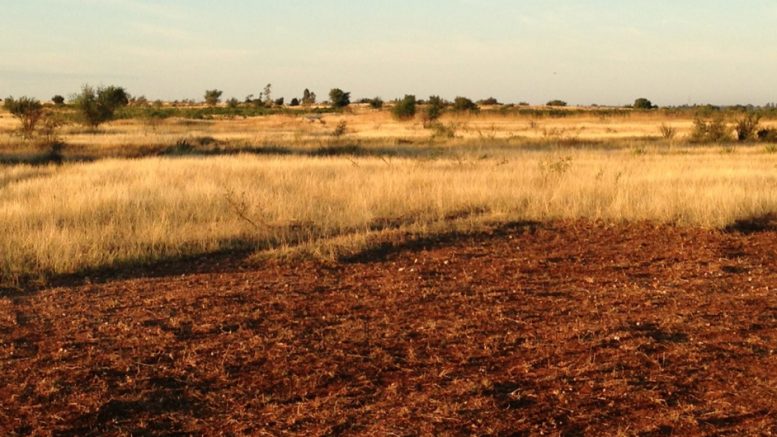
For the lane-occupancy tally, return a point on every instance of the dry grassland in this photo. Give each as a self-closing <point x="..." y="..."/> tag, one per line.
<point x="82" y="216"/>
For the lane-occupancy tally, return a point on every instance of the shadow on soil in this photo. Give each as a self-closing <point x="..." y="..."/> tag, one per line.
<point x="764" y="223"/>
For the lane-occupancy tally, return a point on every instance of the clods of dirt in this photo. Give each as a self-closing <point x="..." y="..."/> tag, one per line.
<point x="566" y="328"/>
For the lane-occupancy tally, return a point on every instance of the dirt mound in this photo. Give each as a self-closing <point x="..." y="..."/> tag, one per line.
<point x="568" y="328"/>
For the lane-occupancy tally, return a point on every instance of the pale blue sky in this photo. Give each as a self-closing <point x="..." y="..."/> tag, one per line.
<point x="582" y="51"/>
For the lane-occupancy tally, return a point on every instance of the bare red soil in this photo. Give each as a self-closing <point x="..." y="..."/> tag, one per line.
<point x="566" y="329"/>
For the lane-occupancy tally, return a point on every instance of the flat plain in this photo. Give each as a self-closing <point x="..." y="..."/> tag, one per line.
<point x="349" y="273"/>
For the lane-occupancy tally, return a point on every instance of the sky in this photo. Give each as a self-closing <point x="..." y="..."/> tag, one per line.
<point x="582" y="51"/>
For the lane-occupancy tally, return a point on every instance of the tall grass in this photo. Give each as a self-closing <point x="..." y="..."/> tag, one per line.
<point x="90" y="215"/>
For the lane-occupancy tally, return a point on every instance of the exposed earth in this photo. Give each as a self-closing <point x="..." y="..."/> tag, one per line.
<point x="567" y="328"/>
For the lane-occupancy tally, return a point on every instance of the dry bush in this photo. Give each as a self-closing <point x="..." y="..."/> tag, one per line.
<point x="667" y="132"/>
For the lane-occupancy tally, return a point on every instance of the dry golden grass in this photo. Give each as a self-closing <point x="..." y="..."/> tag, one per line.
<point x="90" y="215"/>
<point x="132" y="138"/>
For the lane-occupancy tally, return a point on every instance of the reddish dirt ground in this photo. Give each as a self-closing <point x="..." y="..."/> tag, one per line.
<point x="561" y="329"/>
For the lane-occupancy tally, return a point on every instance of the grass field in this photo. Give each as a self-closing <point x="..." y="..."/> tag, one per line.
<point x="82" y="216"/>
<point x="135" y="193"/>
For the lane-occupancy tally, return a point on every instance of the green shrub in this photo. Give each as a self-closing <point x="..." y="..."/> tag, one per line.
<point x="405" y="109"/>
<point x="294" y="102"/>
<point x="433" y="111"/>
<point x="28" y="110"/>
<point x="556" y="103"/>
<point x="58" y="100"/>
<point x="232" y="103"/>
<point x="376" y="103"/>
<point x="98" y="106"/>
<point x="464" y="104"/>
<point x="213" y="97"/>
<point x="339" y="98"/>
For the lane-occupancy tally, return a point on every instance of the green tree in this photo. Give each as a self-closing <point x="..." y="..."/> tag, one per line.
<point x="339" y="98"/>
<point x="433" y="111"/>
<point x="308" y="97"/>
<point x="643" y="103"/>
<point x="405" y="109"/>
<point x="212" y="97"/>
<point x="28" y="110"/>
<point x="464" y="104"/>
<point x="99" y="106"/>
<point x="58" y="100"/>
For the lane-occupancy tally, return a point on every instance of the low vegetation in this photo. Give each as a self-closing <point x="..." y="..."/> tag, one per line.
<point x="145" y="210"/>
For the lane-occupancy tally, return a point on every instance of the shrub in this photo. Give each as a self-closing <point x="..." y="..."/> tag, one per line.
<point x="556" y="103"/>
<point x="279" y="101"/>
<point x="433" y="111"/>
<point x="668" y="132"/>
<point x="709" y="131"/>
<point x="464" y="104"/>
<point x="339" y="98"/>
<point x="340" y="129"/>
<point x="58" y="100"/>
<point x="767" y="134"/>
<point x="28" y="110"/>
<point x="643" y="104"/>
<point x="376" y="103"/>
<point x="294" y="102"/>
<point x="213" y="97"/>
<point x="405" y="109"/>
<point x="443" y="131"/>
<point x="98" y="106"/>
<point x="747" y="127"/>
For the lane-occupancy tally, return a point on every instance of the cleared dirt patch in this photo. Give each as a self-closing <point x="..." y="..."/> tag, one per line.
<point x="567" y="328"/>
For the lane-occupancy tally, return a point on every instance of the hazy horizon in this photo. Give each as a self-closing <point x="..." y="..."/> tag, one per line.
<point x="583" y="52"/>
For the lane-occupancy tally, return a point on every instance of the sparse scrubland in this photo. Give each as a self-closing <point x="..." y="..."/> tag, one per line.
<point x="425" y="267"/>
<point x="335" y="183"/>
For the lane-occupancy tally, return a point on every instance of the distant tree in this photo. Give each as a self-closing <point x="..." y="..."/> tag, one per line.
<point x="308" y="97"/>
<point x="339" y="98"/>
<point x="464" y="104"/>
<point x="489" y="101"/>
<point x="433" y="110"/>
<point x="294" y="102"/>
<point x="279" y="101"/>
<point x="98" y="106"/>
<point x="643" y="103"/>
<point x="213" y="97"/>
<point x="58" y="100"/>
<point x="28" y="110"/>
<point x="139" y="101"/>
<point x="232" y="103"/>
<point x="405" y="109"/>
<point x="556" y="103"/>
<point x="267" y="93"/>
